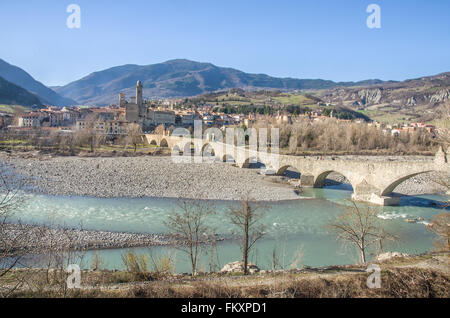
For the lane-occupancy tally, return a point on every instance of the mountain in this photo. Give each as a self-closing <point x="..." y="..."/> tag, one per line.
<point x="21" y="78"/>
<point x="11" y="94"/>
<point x="421" y="99"/>
<point x="179" y="78"/>
<point x="425" y="99"/>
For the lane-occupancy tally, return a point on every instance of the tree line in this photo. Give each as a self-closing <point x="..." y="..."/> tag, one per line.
<point x="336" y="136"/>
<point x="90" y="137"/>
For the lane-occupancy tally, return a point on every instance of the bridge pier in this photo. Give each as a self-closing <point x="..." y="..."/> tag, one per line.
<point x="307" y="180"/>
<point x="376" y="199"/>
<point x="245" y="165"/>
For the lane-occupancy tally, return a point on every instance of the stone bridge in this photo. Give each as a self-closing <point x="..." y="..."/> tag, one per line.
<point x="373" y="180"/>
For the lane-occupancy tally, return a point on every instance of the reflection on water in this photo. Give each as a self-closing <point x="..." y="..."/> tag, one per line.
<point x="295" y="229"/>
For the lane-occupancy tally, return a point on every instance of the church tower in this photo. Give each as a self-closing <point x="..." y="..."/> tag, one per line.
<point x="139" y="93"/>
<point x="139" y="100"/>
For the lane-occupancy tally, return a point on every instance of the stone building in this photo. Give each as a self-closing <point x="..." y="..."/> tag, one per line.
<point x="139" y="112"/>
<point x="107" y="127"/>
<point x="122" y="100"/>
<point x="158" y="117"/>
<point x="30" y="120"/>
<point x="187" y="119"/>
<point x="136" y="111"/>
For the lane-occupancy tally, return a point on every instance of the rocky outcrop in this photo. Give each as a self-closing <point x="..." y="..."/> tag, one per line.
<point x="416" y="99"/>
<point x="441" y="96"/>
<point x="411" y="102"/>
<point x="389" y="255"/>
<point x="370" y="96"/>
<point x="238" y="267"/>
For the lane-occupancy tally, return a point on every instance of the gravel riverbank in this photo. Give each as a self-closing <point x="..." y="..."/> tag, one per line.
<point x="39" y="239"/>
<point x="160" y="177"/>
<point x="144" y="177"/>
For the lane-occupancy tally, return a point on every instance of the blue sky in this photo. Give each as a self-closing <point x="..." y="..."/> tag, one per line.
<point x="325" y="39"/>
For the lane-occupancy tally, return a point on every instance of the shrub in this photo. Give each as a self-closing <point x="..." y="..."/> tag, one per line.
<point x="136" y="264"/>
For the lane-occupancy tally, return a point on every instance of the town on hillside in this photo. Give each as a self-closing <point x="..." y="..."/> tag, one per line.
<point x="114" y="120"/>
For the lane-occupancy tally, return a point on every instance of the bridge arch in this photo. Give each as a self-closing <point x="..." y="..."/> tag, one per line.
<point x="253" y="162"/>
<point x="319" y="181"/>
<point x="176" y="150"/>
<point x="188" y="148"/>
<point x="153" y="142"/>
<point x="228" y="158"/>
<point x="391" y="187"/>
<point x="208" y="150"/>
<point x="163" y="143"/>
<point x="284" y="169"/>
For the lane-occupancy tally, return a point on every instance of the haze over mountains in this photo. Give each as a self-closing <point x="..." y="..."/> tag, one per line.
<point x="179" y="78"/>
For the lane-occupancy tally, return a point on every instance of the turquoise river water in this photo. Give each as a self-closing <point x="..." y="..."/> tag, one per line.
<point x="296" y="230"/>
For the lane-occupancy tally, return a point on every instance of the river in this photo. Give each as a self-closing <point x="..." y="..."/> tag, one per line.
<point x="295" y="230"/>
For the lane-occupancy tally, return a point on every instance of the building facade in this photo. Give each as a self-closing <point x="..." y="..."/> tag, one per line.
<point x="139" y="112"/>
<point x="30" y="120"/>
<point x="136" y="110"/>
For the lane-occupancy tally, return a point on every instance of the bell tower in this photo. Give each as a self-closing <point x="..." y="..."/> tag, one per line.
<point x="139" y="101"/>
<point x="139" y="93"/>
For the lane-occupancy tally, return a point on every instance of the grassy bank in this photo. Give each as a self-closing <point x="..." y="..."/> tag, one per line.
<point x="425" y="276"/>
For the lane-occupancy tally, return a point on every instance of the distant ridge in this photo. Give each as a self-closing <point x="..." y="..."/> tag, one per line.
<point x="21" y="78"/>
<point x="180" y="78"/>
<point x="11" y="94"/>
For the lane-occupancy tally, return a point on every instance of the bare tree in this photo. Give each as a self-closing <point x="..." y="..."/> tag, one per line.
<point x="361" y="228"/>
<point x="134" y="135"/>
<point x="67" y="141"/>
<point x="246" y="217"/>
<point x="91" y="134"/>
<point x="190" y="227"/>
<point x="443" y="180"/>
<point x="11" y="253"/>
<point x="441" y="227"/>
<point x="60" y="252"/>
<point x="443" y="137"/>
<point x="441" y="222"/>
<point x="160" y="130"/>
<point x="293" y="142"/>
<point x="331" y="135"/>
